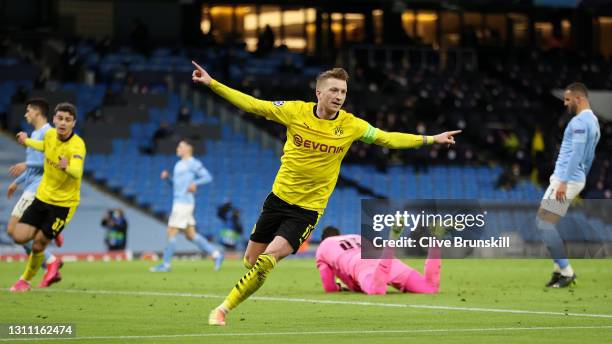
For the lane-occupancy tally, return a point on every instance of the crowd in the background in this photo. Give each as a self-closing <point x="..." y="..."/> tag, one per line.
<point x="503" y="107"/>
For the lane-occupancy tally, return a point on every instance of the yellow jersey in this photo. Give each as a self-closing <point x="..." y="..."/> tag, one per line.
<point x="315" y="147"/>
<point x="60" y="187"/>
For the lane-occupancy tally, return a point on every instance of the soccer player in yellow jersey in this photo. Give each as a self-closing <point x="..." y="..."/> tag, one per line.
<point x="59" y="192"/>
<point x="318" y="137"/>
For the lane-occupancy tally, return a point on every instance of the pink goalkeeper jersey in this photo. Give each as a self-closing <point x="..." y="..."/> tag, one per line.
<point x="339" y="256"/>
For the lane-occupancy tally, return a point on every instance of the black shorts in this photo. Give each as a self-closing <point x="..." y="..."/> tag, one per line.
<point x="49" y="218"/>
<point x="289" y="221"/>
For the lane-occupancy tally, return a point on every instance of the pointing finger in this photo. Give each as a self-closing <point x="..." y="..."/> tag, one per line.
<point x="198" y="67"/>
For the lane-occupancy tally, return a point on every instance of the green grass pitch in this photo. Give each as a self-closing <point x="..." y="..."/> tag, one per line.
<point x="481" y="301"/>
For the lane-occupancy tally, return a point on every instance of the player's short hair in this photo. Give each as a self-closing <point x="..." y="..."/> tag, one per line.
<point x="336" y="73"/>
<point x="329" y="231"/>
<point x="67" y="107"/>
<point x="579" y="88"/>
<point x="39" y="104"/>
<point x="187" y="142"/>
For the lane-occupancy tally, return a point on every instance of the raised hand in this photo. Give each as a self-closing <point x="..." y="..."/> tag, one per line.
<point x="200" y="75"/>
<point x="446" y="137"/>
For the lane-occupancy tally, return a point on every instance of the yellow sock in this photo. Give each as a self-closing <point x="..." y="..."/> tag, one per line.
<point x="250" y="282"/>
<point x="34" y="263"/>
<point x="246" y="263"/>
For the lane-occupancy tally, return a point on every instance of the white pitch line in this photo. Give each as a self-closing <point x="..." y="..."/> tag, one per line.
<point x="338" y="332"/>
<point x="329" y="302"/>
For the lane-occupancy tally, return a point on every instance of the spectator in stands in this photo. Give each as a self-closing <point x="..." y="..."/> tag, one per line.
<point x="163" y="132"/>
<point x="20" y="96"/>
<point x="111" y="97"/>
<point x="116" y="230"/>
<point x="71" y="64"/>
<point x="265" y="42"/>
<point x="132" y="86"/>
<point x="231" y="233"/>
<point x="139" y="36"/>
<point x="94" y="115"/>
<point x="184" y="115"/>
<point x="42" y="78"/>
<point x="537" y="151"/>
<point x="509" y="178"/>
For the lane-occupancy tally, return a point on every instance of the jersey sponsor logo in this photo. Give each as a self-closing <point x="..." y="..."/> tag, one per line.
<point x="338" y="131"/>
<point x="77" y="156"/>
<point x="278" y="103"/>
<point x="298" y="141"/>
<point x="53" y="163"/>
<point x="579" y="131"/>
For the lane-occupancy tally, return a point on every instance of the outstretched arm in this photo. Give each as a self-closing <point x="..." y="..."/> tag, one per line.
<point x="328" y="278"/>
<point x="396" y="140"/>
<point x="270" y="110"/>
<point x="22" y="137"/>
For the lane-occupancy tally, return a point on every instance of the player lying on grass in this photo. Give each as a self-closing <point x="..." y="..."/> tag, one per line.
<point x="318" y="137"/>
<point x="340" y="256"/>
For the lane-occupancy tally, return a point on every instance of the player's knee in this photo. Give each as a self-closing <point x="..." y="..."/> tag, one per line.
<point x="38" y="246"/>
<point x="19" y="236"/>
<point x="547" y="216"/>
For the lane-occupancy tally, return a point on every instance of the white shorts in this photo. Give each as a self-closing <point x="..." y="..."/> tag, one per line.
<point x="24" y="202"/>
<point x="549" y="201"/>
<point x="182" y="216"/>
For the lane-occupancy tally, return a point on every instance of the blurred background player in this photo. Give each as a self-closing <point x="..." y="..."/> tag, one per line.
<point x="574" y="161"/>
<point x="319" y="136"/>
<point x="29" y="173"/>
<point x="58" y="194"/>
<point x="188" y="174"/>
<point x="340" y="256"/>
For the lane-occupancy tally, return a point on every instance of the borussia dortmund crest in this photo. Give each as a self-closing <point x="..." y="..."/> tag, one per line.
<point x="338" y="131"/>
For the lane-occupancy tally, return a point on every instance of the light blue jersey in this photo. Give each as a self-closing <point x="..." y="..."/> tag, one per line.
<point x="34" y="161"/>
<point x="187" y="172"/>
<point x="578" y="148"/>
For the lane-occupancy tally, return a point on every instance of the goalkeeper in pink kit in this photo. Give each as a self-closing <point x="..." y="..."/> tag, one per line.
<point x="340" y="256"/>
